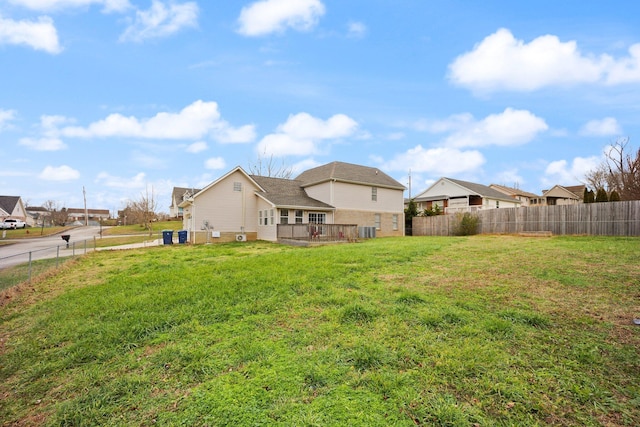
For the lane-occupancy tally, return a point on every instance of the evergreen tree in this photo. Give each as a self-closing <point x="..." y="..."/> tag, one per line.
<point x="588" y="196"/>
<point x="614" y="196"/>
<point x="601" y="195"/>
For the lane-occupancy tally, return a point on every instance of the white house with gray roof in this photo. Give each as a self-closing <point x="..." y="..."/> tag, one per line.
<point x="454" y="195"/>
<point x="240" y="204"/>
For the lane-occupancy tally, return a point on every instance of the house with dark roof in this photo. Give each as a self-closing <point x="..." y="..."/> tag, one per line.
<point x="12" y="207"/>
<point x="179" y="195"/>
<point x="453" y="195"/>
<point x="239" y="205"/>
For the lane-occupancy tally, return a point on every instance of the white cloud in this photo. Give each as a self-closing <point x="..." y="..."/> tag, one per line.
<point x="436" y="161"/>
<point x="108" y="180"/>
<point x="501" y="62"/>
<point x="51" y="5"/>
<point x="511" y="127"/>
<point x="161" y="20"/>
<point x="562" y="173"/>
<point x="302" y="133"/>
<point x="39" y="35"/>
<point x="5" y="117"/>
<point x="61" y="173"/>
<point x="43" y="144"/>
<point x="269" y="16"/>
<point x="356" y="30"/>
<point x="608" y="126"/>
<point x="195" y="121"/>
<point x="626" y="70"/>
<point x="197" y="147"/>
<point x="241" y="135"/>
<point x="215" y="163"/>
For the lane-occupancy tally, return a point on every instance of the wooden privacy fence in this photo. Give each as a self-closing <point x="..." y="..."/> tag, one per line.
<point x="597" y="219"/>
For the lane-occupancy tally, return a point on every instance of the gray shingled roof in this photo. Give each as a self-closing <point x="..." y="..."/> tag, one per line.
<point x="513" y="191"/>
<point x="8" y="203"/>
<point x="347" y="172"/>
<point x="287" y="192"/>
<point x="482" y="190"/>
<point x="178" y="192"/>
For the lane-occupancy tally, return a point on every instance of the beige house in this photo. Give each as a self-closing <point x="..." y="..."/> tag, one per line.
<point x="12" y="207"/>
<point x="453" y="195"/>
<point x="239" y="206"/>
<point x="559" y="195"/>
<point x="179" y="195"/>
<point x="527" y="198"/>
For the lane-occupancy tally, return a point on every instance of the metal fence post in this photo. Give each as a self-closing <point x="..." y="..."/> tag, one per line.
<point x="29" y="266"/>
<point x="57" y="256"/>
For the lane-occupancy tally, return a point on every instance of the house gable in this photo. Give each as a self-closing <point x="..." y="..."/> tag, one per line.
<point x="12" y="206"/>
<point x="455" y="194"/>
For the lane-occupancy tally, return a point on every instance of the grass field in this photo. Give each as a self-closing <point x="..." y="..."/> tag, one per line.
<point x="478" y="331"/>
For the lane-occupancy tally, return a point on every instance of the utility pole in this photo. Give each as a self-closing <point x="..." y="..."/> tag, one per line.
<point x="86" y="213"/>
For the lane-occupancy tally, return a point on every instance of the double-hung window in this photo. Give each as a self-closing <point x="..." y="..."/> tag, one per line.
<point x="317" y="217"/>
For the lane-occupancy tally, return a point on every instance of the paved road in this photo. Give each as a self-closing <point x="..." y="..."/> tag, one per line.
<point x="46" y="247"/>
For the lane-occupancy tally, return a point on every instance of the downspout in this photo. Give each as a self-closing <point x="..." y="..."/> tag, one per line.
<point x="193" y="219"/>
<point x="244" y="211"/>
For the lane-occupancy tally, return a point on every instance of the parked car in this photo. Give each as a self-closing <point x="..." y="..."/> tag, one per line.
<point x="10" y="223"/>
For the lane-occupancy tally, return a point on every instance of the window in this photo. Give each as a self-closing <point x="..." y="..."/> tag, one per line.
<point x="395" y="221"/>
<point x="284" y="216"/>
<point x="317" y="218"/>
<point x="374" y="194"/>
<point x="271" y="216"/>
<point x="237" y="186"/>
<point x="260" y="218"/>
<point x="497" y="203"/>
<point x="377" y="221"/>
<point x="299" y="217"/>
<point x="266" y="219"/>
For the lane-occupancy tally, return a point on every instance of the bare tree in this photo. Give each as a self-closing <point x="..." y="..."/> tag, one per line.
<point x="142" y="211"/>
<point x="620" y="171"/>
<point x="57" y="215"/>
<point x="266" y="165"/>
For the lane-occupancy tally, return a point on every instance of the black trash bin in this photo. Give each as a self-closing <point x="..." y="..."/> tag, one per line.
<point x="167" y="237"/>
<point x="182" y="236"/>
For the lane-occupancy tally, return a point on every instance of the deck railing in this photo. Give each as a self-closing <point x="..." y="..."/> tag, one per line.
<point x="318" y="232"/>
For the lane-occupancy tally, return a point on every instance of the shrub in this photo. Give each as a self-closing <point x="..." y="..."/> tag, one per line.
<point x="466" y="224"/>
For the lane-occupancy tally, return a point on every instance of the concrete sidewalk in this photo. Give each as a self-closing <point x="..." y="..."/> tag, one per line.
<point x="146" y="244"/>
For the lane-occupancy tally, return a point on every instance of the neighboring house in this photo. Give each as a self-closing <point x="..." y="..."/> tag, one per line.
<point x="453" y="195"/>
<point x="12" y="207"/>
<point x="527" y="199"/>
<point x="559" y="195"/>
<point x="78" y="214"/>
<point x="253" y="206"/>
<point x="179" y="195"/>
<point x="38" y="216"/>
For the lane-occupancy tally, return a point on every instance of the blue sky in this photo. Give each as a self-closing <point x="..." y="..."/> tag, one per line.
<point x="125" y="96"/>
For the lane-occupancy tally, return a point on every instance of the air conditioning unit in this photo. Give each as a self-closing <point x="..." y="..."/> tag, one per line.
<point x="241" y="237"/>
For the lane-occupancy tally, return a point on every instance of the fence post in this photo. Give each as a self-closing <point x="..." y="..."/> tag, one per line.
<point x="29" y="266"/>
<point x="57" y="256"/>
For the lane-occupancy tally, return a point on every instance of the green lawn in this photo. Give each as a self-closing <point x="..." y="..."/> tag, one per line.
<point x="484" y="330"/>
<point x="156" y="227"/>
